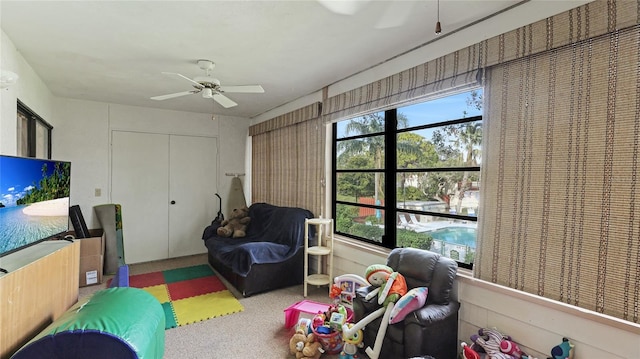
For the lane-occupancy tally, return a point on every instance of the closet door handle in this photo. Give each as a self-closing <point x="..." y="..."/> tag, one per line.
<point x="173" y="202"/>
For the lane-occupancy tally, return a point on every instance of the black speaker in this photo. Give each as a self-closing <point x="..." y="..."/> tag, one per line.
<point x="79" y="226"/>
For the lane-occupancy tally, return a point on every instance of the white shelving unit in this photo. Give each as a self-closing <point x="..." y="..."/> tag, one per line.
<point x="322" y="249"/>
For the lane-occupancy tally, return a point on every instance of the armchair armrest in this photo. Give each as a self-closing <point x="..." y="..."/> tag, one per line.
<point x="432" y="313"/>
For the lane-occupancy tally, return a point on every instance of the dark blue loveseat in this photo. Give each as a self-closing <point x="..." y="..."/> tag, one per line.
<point x="271" y="254"/>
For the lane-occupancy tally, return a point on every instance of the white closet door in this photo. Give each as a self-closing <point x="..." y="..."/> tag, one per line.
<point x="140" y="172"/>
<point x="192" y="188"/>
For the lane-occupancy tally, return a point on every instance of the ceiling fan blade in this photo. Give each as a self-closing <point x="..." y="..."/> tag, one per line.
<point x="224" y="101"/>
<point x="344" y="7"/>
<point x="172" y="95"/>
<point x="194" y="83"/>
<point x="243" y="89"/>
<point x="395" y="14"/>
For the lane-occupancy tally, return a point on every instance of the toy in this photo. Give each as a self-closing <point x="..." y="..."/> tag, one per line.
<point x="312" y="350"/>
<point x="489" y="340"/>
<point x="351" y="344"/>
<point x="390" y="287"/>
<point x="563" y="350"/>
<point x="318" y="320"/>
<point x="348" y="284"/>
<point x="337" y="320"/>
<point x="305" y="346"/>
<point x="468" y="353"/>
<point x="511" y="348"/>
<point x="236" y="225"/>
<point x="296" y="343"/>
<point x="304" y="324"/>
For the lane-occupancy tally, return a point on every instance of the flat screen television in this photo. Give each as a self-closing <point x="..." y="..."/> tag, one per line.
<point x="34" y="201"/>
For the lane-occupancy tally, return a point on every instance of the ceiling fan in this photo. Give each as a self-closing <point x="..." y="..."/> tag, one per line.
<point x="209" y="87"/>
<point x="393" y="13"/>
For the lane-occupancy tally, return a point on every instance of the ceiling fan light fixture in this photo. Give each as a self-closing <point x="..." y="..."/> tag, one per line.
<point x="207" y="93"/>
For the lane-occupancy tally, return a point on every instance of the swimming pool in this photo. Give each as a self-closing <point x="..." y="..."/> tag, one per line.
<point x="458" y="235"/>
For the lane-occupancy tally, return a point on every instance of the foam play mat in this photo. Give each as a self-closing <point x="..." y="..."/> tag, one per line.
<point x="188" y="295"/>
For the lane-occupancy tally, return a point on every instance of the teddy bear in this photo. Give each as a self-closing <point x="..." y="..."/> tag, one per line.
<point x="305" y="346"/>
<point x="236" y="225"/>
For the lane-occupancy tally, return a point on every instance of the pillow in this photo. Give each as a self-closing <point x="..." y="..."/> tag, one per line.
<point x="414" y="299"/>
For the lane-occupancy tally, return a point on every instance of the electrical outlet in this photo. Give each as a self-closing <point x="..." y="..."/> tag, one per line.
<point x="98" y="192"/>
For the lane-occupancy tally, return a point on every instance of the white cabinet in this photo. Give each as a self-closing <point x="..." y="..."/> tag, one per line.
<point x="166" y="185"/>
<point x="323" y="249"/>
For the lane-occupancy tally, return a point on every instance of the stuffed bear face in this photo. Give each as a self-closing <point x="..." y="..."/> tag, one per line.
<point x="296" y="343"/>
<point x="239" y="212"/>
<point x="236" y="225"/>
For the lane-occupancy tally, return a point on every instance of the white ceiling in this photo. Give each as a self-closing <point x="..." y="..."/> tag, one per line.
<point x="115" y="51"/>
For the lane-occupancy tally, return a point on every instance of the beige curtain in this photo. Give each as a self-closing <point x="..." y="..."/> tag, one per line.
<point x="560" y="166"/>
<point x="288" y="159"/>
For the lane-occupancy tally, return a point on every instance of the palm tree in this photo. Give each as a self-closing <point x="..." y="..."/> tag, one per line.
<point x="375" y="145"/>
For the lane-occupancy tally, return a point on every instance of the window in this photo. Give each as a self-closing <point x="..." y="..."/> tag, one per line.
<point x="410" y="176"/>
<point x="34" y="134"/>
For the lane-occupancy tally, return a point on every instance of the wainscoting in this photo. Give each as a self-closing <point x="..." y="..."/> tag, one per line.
<point x="535" y="322"/>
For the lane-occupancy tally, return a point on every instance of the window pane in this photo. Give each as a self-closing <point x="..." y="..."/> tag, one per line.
<point x="462" y="105"/>
<point x="360" y="221"/>
<point x="453" y="238"/>
<point x="363" y="125"/>
<point x="361" y="153"/>
<point x="448" y="146"/>
<point x="42" y="141"/>
<point x="442" y="192"/>
<point x="23" y="135"/>
<point x="354" y="186"/>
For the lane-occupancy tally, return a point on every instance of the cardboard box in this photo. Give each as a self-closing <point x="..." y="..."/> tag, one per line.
<point x="91" y="257"/>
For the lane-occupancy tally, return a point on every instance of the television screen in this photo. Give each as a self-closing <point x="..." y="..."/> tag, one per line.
<point x="34" y="201"/>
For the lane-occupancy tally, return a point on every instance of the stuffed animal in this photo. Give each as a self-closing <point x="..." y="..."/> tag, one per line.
<point x="490" y="340"/>
<point x="468" y="353"/>
<point x="390" y="287"/>
<point x="563" y="350"/>
<point x="297" y="342"/>
<point x="511" y="348"/>
<point x="236" y="225"/>
<point x="305" y="346"/>
<point x="312" y="350"/>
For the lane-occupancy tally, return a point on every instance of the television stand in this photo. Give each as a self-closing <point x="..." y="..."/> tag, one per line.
<point x="41" y="285"/>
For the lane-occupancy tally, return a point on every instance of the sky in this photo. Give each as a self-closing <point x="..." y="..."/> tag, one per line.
<point x="18" y="175"/>
<point x="438" y="110"/>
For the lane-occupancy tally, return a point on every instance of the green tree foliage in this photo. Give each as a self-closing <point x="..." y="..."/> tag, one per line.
<point x="415" y="151"/>
<point x="344" y="217"/>
<point x="407" y="238"/>
<point x="357" y="184"/>
<point x="57" y="185"/>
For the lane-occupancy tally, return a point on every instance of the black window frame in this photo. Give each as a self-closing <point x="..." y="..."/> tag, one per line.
<point x="391" y="172"/>
<point x="33" y="120"/>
